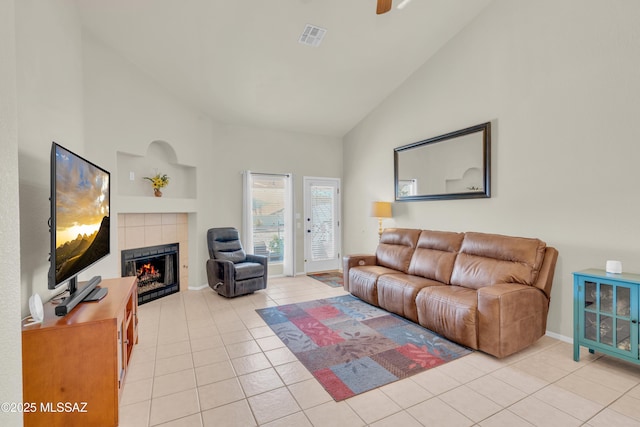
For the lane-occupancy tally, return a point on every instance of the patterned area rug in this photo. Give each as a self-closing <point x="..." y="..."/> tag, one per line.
<point x="331" y="278"/>
<point x="352" y="347"/>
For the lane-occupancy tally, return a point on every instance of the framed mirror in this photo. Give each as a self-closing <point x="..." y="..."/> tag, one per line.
<point x="456" y="165"/>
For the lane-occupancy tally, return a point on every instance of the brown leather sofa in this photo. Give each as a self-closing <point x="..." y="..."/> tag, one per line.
<point x="485" y="291"/>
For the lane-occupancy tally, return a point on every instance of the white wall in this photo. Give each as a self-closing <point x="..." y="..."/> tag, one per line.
<point x="559" y="81"/>
<point x="49" y="78"/>
<point x="10" y="351"/>
<point x="238" y="148"/>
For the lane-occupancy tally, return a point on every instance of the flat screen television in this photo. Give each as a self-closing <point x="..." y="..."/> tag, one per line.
<point x="79" y="224"/>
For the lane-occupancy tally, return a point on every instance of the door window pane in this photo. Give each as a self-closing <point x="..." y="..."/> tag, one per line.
<point x="323" y="233"/>
<point x="606" y="330"/>
<point x="590" y="294"/>
<point x="623" y="301"/>
<point x="623" y="334"/>
<point x="606" y="298"/>
<point x="590" y="326"/>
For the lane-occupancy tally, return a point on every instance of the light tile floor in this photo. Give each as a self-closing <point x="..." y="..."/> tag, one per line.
<point x="204" y="360"/>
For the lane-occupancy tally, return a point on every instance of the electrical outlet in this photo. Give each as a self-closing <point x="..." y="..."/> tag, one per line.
<point x="132" y="176"/>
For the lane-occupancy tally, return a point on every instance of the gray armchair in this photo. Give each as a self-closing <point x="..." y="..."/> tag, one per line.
<point x="230" y="271"/>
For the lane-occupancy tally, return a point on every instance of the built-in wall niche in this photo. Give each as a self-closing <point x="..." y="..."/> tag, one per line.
<point x="159" y="158"/>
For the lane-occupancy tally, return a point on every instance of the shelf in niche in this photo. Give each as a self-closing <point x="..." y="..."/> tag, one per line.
<point x="159" y="158"/>
<point x="151" y="204"/>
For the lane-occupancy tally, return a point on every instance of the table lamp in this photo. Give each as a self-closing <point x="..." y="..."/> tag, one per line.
<point x="381" y="210"/>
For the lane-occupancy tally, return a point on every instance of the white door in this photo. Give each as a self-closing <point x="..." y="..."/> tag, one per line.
<point x="321" y="224"/>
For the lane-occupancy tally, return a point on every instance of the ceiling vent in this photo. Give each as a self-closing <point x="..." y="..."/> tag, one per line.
<point x="312" y="35"/>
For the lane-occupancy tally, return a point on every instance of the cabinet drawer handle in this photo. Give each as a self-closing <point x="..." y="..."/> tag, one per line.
<point x="634" y="321"/>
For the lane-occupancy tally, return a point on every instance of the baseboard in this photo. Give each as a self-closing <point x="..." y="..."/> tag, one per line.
<point x="559" y="337"/>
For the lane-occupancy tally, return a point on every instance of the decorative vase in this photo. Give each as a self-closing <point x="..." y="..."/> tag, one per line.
<point x="157" y="192"/>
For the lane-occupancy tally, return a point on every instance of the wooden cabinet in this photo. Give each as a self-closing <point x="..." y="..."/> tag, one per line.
<point x="606" y="313"/>
<point x="74" y="367"/>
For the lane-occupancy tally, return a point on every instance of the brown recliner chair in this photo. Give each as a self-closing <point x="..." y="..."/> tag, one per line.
<point x="230" y="271"/>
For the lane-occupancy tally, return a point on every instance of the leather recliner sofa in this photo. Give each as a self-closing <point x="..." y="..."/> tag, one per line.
<point x="488" y="292"/>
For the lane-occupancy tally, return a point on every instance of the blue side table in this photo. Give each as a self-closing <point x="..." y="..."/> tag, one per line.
<point x="605" y="313"/>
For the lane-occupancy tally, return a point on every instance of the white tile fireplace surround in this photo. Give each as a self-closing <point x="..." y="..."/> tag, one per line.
<point x="139" y="230"/>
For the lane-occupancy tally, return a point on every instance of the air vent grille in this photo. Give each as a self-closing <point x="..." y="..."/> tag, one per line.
<point x="312" y="35"/>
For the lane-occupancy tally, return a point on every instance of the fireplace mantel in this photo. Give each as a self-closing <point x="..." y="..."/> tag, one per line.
<point x="151" y="204"/>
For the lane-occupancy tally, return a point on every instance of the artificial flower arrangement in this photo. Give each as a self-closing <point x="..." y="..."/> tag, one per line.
<point x="158" y="181"/>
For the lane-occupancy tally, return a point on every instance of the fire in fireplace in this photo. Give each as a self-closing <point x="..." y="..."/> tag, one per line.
<point x="156" y="268"/>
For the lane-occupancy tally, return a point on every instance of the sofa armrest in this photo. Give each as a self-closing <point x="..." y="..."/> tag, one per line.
<point x="350" y="261"/>
<point x="511" y="316"/>
<point x="545" y="276"/>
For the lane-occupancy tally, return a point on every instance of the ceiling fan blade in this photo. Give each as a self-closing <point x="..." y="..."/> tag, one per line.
<point x="384" y="6"/>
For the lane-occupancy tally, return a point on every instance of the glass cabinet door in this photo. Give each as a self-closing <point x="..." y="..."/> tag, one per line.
<point x="607" y="311"/>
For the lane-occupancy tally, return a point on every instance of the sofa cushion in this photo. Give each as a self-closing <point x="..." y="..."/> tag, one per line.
<point x="363" y="281"/>
<point x="451" y="311"/>
<point x="435" y="254"/>
<point x="397" y="293"/>
<point x="486" y="259"/>
<point x="396" y="248"/>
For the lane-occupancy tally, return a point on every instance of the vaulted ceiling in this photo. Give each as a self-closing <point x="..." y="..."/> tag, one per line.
<point x="240" y="61"/>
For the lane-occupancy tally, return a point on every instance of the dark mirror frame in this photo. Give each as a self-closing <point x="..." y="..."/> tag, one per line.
<point x="484" y="129"/>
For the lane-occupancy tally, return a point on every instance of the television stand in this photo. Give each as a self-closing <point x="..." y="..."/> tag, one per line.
<point x="96" y="295"/>
<point x="76" y="295"/>
<point x="81" y="359"/>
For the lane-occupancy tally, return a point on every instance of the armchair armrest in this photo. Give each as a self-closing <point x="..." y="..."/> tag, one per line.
<point x="510" y="317"/>
<point x="260" y="259"/>
<point x="219" y="272"/>
<point x="350" y="261"/>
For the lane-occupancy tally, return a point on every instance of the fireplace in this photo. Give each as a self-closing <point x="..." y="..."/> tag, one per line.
<point x="156" y="268"/>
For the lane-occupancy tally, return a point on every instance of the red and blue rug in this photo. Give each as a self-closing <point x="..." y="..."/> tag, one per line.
<point x="331" y="278"/>
<point x="351" y="347"/>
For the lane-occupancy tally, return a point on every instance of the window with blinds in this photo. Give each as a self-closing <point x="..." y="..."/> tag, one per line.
<point x="268" y="210"/>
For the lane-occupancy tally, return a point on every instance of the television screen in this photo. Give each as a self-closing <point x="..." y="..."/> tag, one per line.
<point x="80" y="194"/>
